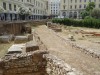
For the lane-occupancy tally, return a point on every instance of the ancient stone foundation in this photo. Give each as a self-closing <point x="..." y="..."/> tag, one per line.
<point x="56" y="66"/>
<point x="24" y="64"/>
<point x="35" y="63"/>
<point x="39" y="61"/>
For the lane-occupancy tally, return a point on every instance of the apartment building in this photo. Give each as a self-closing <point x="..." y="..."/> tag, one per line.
<point x="73" y="8"/>
<point x="40" y="9"/>
<point x="9" y="9"/>
<point x="53" y="8"/>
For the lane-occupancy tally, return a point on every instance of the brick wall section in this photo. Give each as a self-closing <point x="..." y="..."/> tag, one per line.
<point x="24" y="64"/>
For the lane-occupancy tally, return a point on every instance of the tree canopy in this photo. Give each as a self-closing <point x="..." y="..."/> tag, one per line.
<point x="88" y="10"/>
<point x="96" y="13"/>
<point x="90" y="6"/>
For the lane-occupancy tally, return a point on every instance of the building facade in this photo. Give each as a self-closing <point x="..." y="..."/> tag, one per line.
<point x="40" y="9"/>
<point x="73" y="8"/>
<point x="9" y="9"/>
<point x="53" y="8"/>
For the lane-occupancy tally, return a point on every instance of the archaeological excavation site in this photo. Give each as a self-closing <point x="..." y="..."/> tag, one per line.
<point x="46" y="48"/>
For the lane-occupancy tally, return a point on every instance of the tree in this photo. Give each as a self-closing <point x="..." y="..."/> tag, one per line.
<point x="95" y="13"/>
<point x="90" y="7"/>
<point x="84" y="14"/>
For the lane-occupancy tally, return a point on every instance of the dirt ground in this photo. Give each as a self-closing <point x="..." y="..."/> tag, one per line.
<point x="85" y="63"/>
<point x="82" y="62"/>
<point x="4" y="48"/>
<point x="60" y="47"/>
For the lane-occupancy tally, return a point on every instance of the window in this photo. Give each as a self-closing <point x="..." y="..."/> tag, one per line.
<point x="38" y="11"/>
<point x="10" y="8"/>
<point x="15" y="7"/>
<point x="71" y="1"/>
<point x="84" y="6"/>
<point x="75" y="6"/>
<point x="80" y="6"/>
<point x="64" y="1"/>
<point x="71" y="7"/>
<point x="36" y="3"/>
<point x="75" y="1"/>
<point x="64" y="7"/>
<point x="64" y="14"/>
<point x="4" y="5"/>
<point x="27" y="0"/>
<point x="99" y="5"/>
<point x="84" y="0"/>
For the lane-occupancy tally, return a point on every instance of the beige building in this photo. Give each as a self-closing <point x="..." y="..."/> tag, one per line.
<point x="9" y="9"/>
<point x="53" y="8"/>
<point x="39" y="9"/>
<point x="73" y="8"/>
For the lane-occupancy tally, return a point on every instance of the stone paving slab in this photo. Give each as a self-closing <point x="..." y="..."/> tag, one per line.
<point x="17" y="48"/>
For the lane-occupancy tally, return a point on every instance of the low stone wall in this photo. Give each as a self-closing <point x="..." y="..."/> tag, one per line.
<point x="55" y="27"/>
<point x="24" y="64"/>
<point x="39" y="41"/>
<point x="93" y="52"/>
<point x="57" y="66"/>
<point x="36" y="63"/>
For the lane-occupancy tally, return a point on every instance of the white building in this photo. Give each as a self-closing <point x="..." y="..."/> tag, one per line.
<point x="9" y="9"/>
<point x="53" y="8"/>
<point x="73" y="8"/>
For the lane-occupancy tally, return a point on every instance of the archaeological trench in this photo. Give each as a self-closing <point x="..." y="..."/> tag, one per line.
<point x="35" y="58"/>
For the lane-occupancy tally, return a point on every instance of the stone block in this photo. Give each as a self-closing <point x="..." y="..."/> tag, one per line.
<point x="20" y="39"/>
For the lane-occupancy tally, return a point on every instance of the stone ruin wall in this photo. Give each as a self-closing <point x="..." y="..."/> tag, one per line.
<point x="40" y="43"/>
<point x="36" y="63"/>
<point x="24" y="64"/>
<point x="57" y="66"/>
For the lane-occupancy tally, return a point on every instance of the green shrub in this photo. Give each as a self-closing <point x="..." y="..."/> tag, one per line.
<point x="87" y="22"/>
